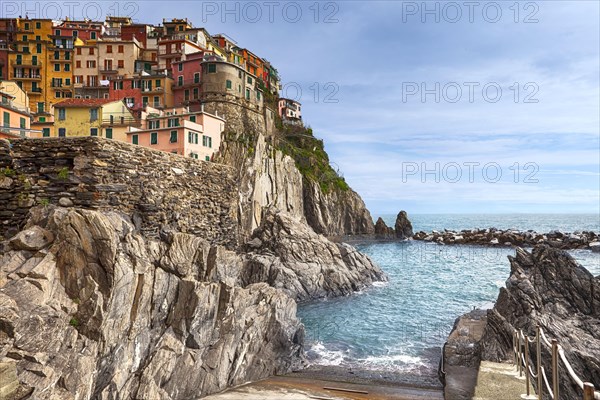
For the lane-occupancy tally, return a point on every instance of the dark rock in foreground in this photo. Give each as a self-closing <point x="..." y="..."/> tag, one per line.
<point x="462" y="356"/>
<point x="549" y="288"/>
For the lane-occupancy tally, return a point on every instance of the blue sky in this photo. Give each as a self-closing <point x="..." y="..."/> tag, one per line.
<point x="371" y="56"/>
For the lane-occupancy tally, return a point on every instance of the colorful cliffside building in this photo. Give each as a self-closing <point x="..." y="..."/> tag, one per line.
<point x="195" y="134"/>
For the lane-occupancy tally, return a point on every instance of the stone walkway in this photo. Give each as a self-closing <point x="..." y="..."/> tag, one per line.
<point x="297" y="388"/>
<point x="499" y="381"/>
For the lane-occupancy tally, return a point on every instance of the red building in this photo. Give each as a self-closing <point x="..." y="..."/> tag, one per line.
<point x="138" y="31"/>
<point x="186" y="79"/>
<point x="142" y="90"/>
<point x="84" y="30"/>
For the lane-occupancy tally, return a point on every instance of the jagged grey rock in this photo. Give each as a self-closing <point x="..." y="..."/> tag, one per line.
<point x="305" y="265"/>
<point x="403" y="226"/>
<point x="548" y="287"/>
<point x="99" y="311"/>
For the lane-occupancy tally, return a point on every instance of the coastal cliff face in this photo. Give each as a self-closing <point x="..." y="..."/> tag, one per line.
<point x="548" y="287"/>
<point x="90" y="308"/>
<point x="336" y="213"/>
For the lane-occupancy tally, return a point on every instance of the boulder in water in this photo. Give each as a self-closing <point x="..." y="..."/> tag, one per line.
<point x="403" y="226"/>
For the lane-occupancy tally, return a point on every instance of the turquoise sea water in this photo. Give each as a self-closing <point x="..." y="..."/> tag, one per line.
<point x="398" y="327"/>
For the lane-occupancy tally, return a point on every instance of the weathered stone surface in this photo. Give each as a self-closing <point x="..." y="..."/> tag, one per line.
<point x="403" y="227"/>
<point x="102" y="312"/>
<point x="548" y="287"/>
<point x="462" y="356"/>
<point x="291" y="256"/>
<point x="161" y="190"/>
<point x="32" y="239"/>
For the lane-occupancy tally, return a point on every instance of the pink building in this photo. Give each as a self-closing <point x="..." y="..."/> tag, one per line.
<point x="191" y="134"/>
<point x="290" y="111"/>
<point x="186" y="77"/>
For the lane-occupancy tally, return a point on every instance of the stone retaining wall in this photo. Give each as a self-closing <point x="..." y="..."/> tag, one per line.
<point x="157" y="189"/>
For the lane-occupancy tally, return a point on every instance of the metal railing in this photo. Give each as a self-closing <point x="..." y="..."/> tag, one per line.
<point x="521" y="354"/>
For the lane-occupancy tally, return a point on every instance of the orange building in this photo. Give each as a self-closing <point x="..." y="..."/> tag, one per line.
<point x="16" y="121"/>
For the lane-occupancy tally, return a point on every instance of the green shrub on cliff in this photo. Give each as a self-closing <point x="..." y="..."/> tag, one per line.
<point x="311" y="159"/>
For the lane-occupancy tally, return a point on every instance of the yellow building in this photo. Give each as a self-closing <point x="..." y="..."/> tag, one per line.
<point x="93" y="117"/>
<point x="28" y="61"/>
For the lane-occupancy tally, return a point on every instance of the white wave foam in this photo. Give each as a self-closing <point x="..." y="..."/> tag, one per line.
<point x="325" y="356"/>
<point x="380" y="284"/>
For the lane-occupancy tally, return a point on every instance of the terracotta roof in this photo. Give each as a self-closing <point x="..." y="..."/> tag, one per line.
<point x="84" y="103"/>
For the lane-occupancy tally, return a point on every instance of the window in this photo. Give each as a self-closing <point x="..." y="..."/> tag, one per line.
<point x="93" y="114"/>
<point x="247" y="94"/>
<point x="78" y="51"/>
<point x="94" y="132"/>
<point x="192" y="138"/>
<point x="207" y="158"/>
<point x="62" y="132"/>
<point x="75" y="33"/>
<point x="109" y="133"/>
<point x="192" y="118"/>
<point x="145" y="101"/>
<point x="250" y="80"/>
<point x="38" y="38"/>
<point x="40" y="107"/>
<point x="42" y="119"/>
<point x="154" y="124"/>
<point x="25" y="38"/>
<point x="186" y="95"/>
<point x="180" y="67"/>
<point x="180" y="80"/>
<point x="194" y="155"/>
<point x="120" y="64"/>
<point x="257" y="95"/>
<point x="91" y="64"/>
<point x="196" y="93"/>
<point x="173" y="122"/>
<point x="228" y="84"/>
<point x="197" y="77"/>
<point x="46" y="132"/>
<point x="67" y="67"/>
<point x="38" y="25"/>
<point x="173" y="138"/>
<point x="121" y="49"/>
<point x="134" y="139"/>
<point x="25" y="49"/>
<point x="78" y="64"/>
<point x="158" y="83"/>
<point x="93" y="35"/>
<point x="91" y="52"/>
<point x="62" y="114"/>
<point x="109" y="48"/>
<point x="239" y="88"/>
<point x="240" y="74"/>
<point x="57" y="55"/>
<point x="206" y="141"/>
<point x="6" y="118"/>
<point x="57" y="94"/>
<point x="67" y="81"/>
<point x="154" y="138"/>
<point x="38" y="48"/>
<point x="212" y="68"/>
<point x="57" y="32"/>
<point x="57" y="67"/>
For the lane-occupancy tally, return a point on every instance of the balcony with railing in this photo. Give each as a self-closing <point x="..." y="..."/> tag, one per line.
<point x="187" y="83"/>
<point x="35" y="91"/>
<point x="26" y="77"/>
<point x="109" y="70"/>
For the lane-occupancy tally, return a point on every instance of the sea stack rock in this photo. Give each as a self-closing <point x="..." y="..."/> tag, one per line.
<point x="382" y="231"/>
<point x="403" y="226"/>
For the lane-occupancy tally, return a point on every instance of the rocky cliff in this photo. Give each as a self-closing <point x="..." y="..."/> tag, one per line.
<point x="548" y="287"/>
<point x="287" y="167"/>
<point x="92" y="308"/>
